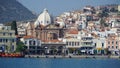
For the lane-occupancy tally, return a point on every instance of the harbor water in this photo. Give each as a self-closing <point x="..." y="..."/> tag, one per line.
<point x="58" y="63"/>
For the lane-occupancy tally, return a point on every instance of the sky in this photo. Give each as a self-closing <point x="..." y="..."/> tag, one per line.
<point x="56" y="7"/>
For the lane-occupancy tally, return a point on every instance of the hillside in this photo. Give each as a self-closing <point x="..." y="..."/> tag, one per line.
<point x="12" y="10"/>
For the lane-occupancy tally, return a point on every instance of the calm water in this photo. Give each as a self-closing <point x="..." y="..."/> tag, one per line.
<point x="58" y="63"/>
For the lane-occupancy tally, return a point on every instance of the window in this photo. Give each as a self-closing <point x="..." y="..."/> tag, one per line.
<point x="78" y="43"/>
<point x="102" y="44"/>
<point x="3" y="40"/>
<point x="112" y="46"/>
<point x="75" y="43"/>
<point x="12" y="40"/>
<point x="108" y="42"/>
<point x="30" y="42"/>
<point x="95" y="44"/>
<point x="112" y="42"/>
<point x="12" y="47"/>
<point x="116" y="47"/>
<point x="0" y="40"/>
<point x="3" y="34"/>
<point x="25" y="42"/>
<point x="6" y="40"/>
<point x="67" y="43"/>
<point x="10" y="34"/>
<point x="33" y="42"/>
<point x="72" y="43"/>
<point x="116" y="42"/>
<point x="108" y="46"/>
<point x="1" y="48"/>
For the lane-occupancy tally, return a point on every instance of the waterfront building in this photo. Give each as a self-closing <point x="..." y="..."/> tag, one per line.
<point x="32" y="45"/>
<point x="113" y="43"/>
<point x="99" y="45"/>
<point x="72" y="39"/>
<point x="7" y="39"/>
<point x="87" y="44"/>
<point x="73" y="32"/>
<point x="54" y="47"/>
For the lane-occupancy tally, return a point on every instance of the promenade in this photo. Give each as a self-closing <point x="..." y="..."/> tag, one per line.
<point x="73" y="56"/>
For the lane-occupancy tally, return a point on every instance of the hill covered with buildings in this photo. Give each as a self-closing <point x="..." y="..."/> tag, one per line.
<point x="92" y="30"/>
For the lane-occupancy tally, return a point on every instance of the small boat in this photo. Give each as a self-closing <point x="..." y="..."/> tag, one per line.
<point x="11" y="55"/>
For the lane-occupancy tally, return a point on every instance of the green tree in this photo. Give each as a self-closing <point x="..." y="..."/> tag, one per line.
<point x="14" y="27"/>
<point x="20" y="46"/>
<point x="103" y="14"/>
<point x="102" y="23"/>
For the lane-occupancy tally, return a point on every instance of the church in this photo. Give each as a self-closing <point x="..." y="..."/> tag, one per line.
<point x="50" y="33"/>
<point x="44" y="28"/>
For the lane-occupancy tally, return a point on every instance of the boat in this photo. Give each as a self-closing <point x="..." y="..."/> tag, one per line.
<point x="16" y="55"/>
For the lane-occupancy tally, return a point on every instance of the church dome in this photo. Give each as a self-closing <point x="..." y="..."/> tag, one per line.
<point x="43" y="19"/>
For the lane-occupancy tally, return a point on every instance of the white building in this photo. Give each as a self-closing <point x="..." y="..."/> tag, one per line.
<point x="21" y="29"/>
<point x="7" y="39"/>
<point x="81" y="24"/>
<point x="100" y="45"/>
<point x="33" y="45"/>
<point x="73" y="39"/>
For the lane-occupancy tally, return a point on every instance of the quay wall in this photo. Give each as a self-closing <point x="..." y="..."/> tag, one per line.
<point x="75" y="56"/>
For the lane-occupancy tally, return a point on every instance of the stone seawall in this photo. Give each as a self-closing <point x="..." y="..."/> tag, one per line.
<point x="73" y="56"/>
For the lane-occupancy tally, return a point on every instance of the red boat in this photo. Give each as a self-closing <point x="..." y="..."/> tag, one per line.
<point x="17" y="55"/>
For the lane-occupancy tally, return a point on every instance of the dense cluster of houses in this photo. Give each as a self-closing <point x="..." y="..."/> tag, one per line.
<point x="93" y="30"/>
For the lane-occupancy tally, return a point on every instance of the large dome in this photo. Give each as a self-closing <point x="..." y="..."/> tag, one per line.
<point x="43" y="19"/>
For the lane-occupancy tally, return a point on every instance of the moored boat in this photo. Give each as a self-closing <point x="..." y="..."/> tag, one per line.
<point x="11" y="55"/>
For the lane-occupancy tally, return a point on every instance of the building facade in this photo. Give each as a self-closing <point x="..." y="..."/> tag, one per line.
<point x="113" y="44"/>
<point x="32" y="45"/>
<point x="7" y="39"/>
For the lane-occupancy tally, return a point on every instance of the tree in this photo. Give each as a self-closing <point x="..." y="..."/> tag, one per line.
<point x="102" y="23"/>
<point x="113" y="10"/>
<point x="103" y="14"/>
<point x="14" y="27"/>
<point x="20" y="46"/>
